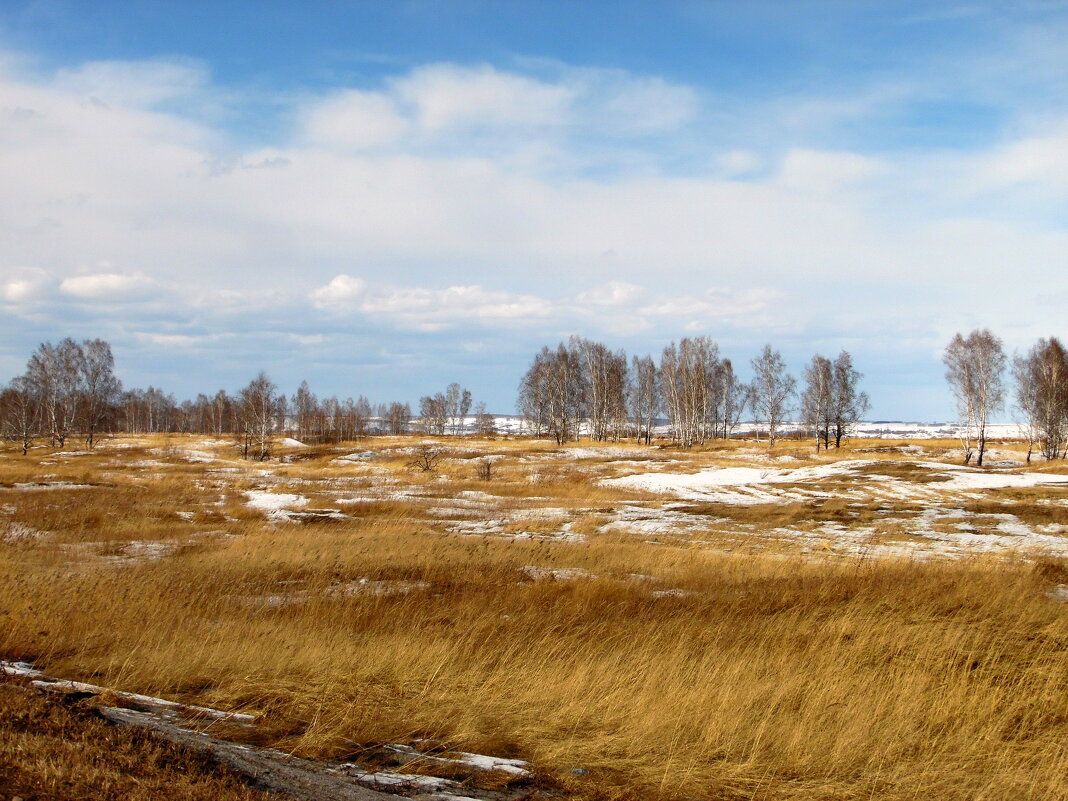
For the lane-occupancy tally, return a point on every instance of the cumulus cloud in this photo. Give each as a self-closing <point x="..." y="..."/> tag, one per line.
<point x="341" y="290"/>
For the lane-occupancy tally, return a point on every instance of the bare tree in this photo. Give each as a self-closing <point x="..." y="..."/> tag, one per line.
<point x="55" y="372"/>
<point x="258" y="404"/>
<point x="485" y="424"/>
<point x="773" y="388"/>
<point x="304" y="405"/>
<point x="848" y="404"/>
<point x="735" y="396"/>
<point x="20" y="413"/>
<point x="688" y="388"/>
<point x="644" y="395"/>
<point x="434" y="413"/>
<point x="361" y="416"/>
<point x="552" y="393"/>
<point x="817" y="399"/>
<point x="451" y="411"/>
<point x="99" y="388"/>
<point x="604" y="382"/>
<point x="398" y="418"/>
<point x="974" y="368"/>
<point x="1042" y="395"/>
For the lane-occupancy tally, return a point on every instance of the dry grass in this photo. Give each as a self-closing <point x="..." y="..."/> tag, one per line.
<point x="665" y="672"/>
<point x="55" y="750"/>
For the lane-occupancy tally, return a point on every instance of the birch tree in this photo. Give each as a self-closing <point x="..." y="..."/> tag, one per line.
<point x="974" y="369"/>
<point x="258" y="403"/>
<point x="552" y="393"/>
<point x="20" y="413"/>
<point x="735" y="396"/>
<point x="817" y="399"/>
<point x="54" y="372"/>
<point x="848" y="403"/>
<point x="644" y="395"/>
<point x="773" y="388"/>
<point x="99" y="388"/>
<point x="1042" y="396"/>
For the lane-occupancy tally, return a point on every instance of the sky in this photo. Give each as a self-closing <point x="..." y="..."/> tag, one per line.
<point x="386" y="197"/>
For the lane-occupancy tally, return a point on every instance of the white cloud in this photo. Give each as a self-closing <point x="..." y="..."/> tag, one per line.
<point x="341" y="290"/>
<point x="136" y="84"/>
<point x="612" y="293"/>
<point x="824" y="171"/>
<point x="355" y="119"/>
<point x="890" y="240"/>
<point x="646" y="105"/>
<point x="1034" y="160"/>
<point x="24" y="286"/>
<point x="106" y="286"/>
<point x="449" y="96"/>
<point x="440" y="102"/>
<point x="712" y="304"/>
<point x="454" y="305"/>
<point x="739" y="162"/>
<point x="170" y="340"/>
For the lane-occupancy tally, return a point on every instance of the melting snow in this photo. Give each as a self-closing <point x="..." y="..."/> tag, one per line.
<point x="273" y="501"/>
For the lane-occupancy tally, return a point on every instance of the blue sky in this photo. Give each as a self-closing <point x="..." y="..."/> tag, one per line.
<point x="386" y="197"/>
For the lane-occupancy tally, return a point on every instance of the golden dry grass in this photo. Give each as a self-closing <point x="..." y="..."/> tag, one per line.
<point x="54" y="750"/>
<point x="664" y="671"/>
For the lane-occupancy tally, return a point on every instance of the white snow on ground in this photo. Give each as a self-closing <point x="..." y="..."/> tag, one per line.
<point x="977" y="480"/>
<point x="289" y="442"/>
<point x="273" y="501"/>
<point x="517" y="767"/>
<point x="942" y="528"/>
<point x="49" y="485"/>
<point x="384" y="778"/>
<point x="358" y="456"/>
<point x="44" y="682"/>
<point x="709" y="485"/>
<point x="704" y="485"/>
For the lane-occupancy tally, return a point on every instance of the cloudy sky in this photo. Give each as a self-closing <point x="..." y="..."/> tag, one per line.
<point x="385" y="197"/>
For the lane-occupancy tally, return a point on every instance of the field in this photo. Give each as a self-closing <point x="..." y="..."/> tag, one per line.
<point x="720" y="623"/>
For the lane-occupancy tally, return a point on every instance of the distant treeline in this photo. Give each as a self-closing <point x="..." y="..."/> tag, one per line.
<point x="70" y="390"/>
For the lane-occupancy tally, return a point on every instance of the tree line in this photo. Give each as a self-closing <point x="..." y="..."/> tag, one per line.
<point x="70" y="390"/>
<point x="584" y="384"/>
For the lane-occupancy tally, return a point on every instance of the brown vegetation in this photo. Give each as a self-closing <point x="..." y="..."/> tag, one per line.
<point x="662" y="671"/>
<point x="58" y="749"/>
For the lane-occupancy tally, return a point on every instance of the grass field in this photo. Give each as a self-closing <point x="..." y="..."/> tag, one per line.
<point x="669" y="647"/>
